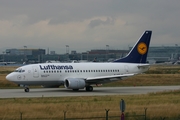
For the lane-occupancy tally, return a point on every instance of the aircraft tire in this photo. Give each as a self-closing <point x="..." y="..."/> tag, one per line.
<point x="26" y="89"/>
<point x="89" y="88"/>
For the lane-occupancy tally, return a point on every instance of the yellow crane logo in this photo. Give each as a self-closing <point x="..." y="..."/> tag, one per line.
<point x="142" y="48"/>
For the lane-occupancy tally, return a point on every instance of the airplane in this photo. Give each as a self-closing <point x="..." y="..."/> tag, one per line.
<point x="77" y="76"/>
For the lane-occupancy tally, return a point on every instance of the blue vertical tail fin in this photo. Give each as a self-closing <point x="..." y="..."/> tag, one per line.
<point x="138" y="53"/>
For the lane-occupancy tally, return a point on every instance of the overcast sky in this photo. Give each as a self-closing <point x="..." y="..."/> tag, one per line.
<point x="87" y="24"/>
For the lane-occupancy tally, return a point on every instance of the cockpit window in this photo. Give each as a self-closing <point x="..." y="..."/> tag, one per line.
<point x="16" y="70"/>
<point x="20" y="70"/>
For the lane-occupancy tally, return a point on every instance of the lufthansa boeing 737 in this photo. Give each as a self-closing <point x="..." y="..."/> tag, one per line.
<point x="77" y="76"/>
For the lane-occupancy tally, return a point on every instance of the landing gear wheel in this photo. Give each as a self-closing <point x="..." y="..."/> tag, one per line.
<point x="26" y="89"/>
<point x="89" y="88"/>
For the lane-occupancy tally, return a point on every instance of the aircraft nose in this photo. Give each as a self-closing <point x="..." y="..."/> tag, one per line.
<point x="9" y="77"/>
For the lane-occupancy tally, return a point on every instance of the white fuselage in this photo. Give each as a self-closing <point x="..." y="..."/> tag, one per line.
<point x="56" y="73"/>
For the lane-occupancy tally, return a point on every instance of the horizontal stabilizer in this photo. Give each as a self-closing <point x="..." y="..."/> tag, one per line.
<point x="143" y="66"/>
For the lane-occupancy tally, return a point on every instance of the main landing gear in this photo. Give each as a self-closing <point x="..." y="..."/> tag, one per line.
<point x="89" y="88"/>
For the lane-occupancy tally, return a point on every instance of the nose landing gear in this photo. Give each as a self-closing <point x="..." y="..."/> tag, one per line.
<point x="26" y="89"/>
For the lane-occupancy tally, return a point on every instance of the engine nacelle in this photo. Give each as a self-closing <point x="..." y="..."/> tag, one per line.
<point x="74" y="83"/>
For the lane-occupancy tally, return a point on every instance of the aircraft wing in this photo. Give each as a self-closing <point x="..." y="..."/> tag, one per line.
<point x="106" y="79"/>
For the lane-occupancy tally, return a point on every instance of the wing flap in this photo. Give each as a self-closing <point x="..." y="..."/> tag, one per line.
<point x="106" y="79"/>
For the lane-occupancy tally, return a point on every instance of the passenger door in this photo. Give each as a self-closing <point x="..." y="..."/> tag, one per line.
<point x="35" y="72"/>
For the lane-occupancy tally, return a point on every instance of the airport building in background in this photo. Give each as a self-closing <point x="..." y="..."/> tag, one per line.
<point x="156" y="54"/>
<point x="164" y="53"/>
<point x="23" y="55"/>
<point x="25" y="51"/>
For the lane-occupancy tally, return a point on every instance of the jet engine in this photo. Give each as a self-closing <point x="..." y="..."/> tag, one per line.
<point x="74" y="83"/>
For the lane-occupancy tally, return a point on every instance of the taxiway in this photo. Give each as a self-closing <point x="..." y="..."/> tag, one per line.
<point x="98" y="91"/>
